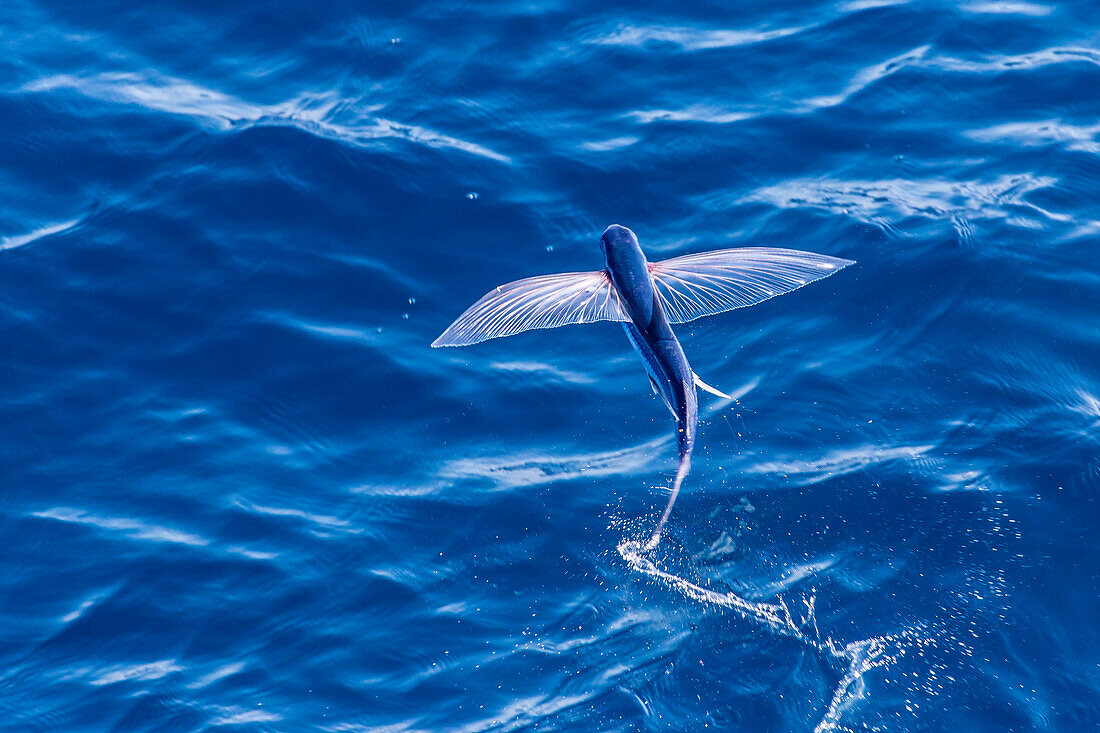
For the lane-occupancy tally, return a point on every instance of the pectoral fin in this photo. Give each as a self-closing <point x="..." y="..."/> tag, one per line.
<point x="703" y="284"/>
<point x="546" y="301"/>
<point x="707" y="388"/>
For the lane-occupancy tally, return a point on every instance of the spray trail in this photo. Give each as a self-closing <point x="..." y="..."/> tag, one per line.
<point x="855" y="658"/>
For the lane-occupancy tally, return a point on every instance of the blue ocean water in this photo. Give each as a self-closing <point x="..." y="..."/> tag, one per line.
<point x="240" y="491"/>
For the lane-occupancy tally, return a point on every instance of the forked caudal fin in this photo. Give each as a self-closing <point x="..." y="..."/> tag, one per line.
<point x="681" y="472"/>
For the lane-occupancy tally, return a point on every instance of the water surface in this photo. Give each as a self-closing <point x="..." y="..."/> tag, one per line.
<point x="242" y="493"/>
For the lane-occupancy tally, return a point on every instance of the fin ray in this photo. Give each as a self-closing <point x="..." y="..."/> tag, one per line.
<point x="707" y="283"/>
<point x="546" y="301"/>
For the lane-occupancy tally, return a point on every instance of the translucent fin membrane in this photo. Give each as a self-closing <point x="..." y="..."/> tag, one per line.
<point x="707" y="283"/>
<point x="547" y="301"/>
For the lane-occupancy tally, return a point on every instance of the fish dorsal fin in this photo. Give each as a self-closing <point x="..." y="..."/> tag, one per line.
<point x="707" y="283"/>
<point x="546" y="301"/>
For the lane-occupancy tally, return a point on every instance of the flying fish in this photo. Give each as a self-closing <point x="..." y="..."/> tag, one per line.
<point x="646" y="297"/>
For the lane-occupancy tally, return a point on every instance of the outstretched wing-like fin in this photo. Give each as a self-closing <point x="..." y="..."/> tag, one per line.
<point x="546" y="301"/>
<point x="707" y="283"/>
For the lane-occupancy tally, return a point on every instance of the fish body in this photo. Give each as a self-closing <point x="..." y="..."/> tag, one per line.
<point x="650" y="333"/>
<point x="646" y="298"/>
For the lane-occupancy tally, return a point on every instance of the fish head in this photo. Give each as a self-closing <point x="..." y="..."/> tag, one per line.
<point x="620" y="247"/>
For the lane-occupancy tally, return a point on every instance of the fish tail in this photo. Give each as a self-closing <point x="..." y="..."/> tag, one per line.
<point x="681" y="472"/>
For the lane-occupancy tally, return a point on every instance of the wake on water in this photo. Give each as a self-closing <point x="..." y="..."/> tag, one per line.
<point x="856" y="658"/>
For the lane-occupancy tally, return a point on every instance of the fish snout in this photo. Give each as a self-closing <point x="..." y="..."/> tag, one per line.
<point x="618" y="239"/>
<point x="617" y="233"/>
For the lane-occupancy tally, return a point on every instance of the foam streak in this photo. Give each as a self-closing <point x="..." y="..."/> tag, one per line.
<point x="858" y="656"/>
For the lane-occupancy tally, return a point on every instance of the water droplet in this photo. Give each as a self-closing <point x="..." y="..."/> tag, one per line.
<point x="472" y="195"/>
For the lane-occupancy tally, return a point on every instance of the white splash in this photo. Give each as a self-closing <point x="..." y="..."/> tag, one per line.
<point x="859" y="656"/>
